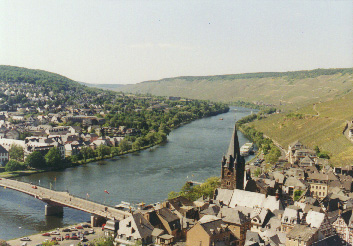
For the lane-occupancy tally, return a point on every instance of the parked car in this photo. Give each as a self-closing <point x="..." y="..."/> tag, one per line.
<point x="91" y="231"/>
<point x="54" y="233"/>
<point x="66" y="230"/>
<point x="46" y="234"/>
<point x="67" y="236"/>
<point x="85" y="225"/>
<point x="25" y="239"/>
<point x="79" y="227"/>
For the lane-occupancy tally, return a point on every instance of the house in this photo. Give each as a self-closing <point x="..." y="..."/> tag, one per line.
<point x="134" y="229"/>
<point x="12" y="134"/>
<point x="292" y="216"/>
<point x="343" y="226"/>
<point x="170" y="222"/>
<point x="236" y="197"/>
<point x="237" y="222"/>
<point x="320" y="221"/>
<point x="329" y="241"/>
<point x="302" y="235"/>
<point x="209" y="230"/>
<point x="4" y="156"/>
<point x="182" y="207"/>
<point x="319" y="190"/>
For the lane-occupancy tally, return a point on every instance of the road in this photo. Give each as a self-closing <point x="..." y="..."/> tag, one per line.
<point x="63" y="198"/>
<point x="37" y="239"/>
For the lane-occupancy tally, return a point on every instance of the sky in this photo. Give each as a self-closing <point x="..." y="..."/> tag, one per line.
<point x="130" y="41"/>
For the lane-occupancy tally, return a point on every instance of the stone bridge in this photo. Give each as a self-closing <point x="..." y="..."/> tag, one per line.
<point x="56" y="200"/>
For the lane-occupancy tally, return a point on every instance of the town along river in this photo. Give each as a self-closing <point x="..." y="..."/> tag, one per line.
<point x="193" y="152"/>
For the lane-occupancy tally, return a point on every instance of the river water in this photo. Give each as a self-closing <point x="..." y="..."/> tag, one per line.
<point x="193" y="152"/>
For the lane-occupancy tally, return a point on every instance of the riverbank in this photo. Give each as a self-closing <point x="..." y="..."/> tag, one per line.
<point x="144" y="176"/>
<point x="19" y="173"/>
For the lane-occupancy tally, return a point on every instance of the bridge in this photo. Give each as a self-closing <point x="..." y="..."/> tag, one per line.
<point x="56" y="200"/>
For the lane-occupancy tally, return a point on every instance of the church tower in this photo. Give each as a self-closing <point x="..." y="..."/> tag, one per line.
<point x="233" y="166"/>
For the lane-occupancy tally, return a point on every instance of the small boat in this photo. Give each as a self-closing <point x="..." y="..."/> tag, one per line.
<point x="220" y="118"/>
<point x="246" y="149"/>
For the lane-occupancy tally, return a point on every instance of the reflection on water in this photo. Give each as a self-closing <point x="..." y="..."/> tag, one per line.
<point x="193" y="151"/>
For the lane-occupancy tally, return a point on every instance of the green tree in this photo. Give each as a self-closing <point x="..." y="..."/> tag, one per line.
<point x="87" y="153"/>
<point x="3" y="243"/>
<point x="16" y="152"/>
<point x="124" y="145"/>
<point x="103" y="241"/>
<point x="114" y="151"/>
<point x="53" y="158"/>
<point x="297" y="194"/>
<point x="138" y="144"/>
<point x="13" y="165"/>
<point x="195" y="192"/>
<point x="102" y="150"/>
<point x="35" y="160"/>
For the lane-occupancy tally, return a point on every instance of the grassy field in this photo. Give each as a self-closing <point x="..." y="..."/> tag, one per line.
<point x="291" y="89"/>
<point x="321" y="124"/>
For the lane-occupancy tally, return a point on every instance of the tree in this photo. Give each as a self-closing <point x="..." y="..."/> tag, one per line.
<point x="35" y="160"/>
<point x="13" y="165"/>
<point x="87" y="153"/>
<point x="16" y="152"/>
<point x="138" y="144"/>
<point x="124" y="145"/>
<point x="53" y="158"/>
<point x="3" y="243"/>
<point x="102" y="150"/>
<point x="114" y="151"/>
<point x="297" y="194"/>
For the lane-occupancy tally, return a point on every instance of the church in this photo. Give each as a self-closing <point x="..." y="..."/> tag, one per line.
<point x="233" y="166"/>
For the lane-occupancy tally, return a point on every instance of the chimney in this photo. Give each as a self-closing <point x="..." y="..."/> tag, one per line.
<point x="277" y="195"/>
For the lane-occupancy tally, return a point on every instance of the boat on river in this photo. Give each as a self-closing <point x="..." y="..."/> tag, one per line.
<point x="247" y="149"/>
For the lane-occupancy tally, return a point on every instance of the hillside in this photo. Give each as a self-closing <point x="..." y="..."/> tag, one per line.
<point x="318" y="124"/>
<point x="103" y="86"/>
<point x="288" y="88"/>
<point x="42" y="78"/>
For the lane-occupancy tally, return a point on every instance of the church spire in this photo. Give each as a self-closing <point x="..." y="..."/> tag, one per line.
<point x="234" y="149"/>
<point x="233" y="165"/>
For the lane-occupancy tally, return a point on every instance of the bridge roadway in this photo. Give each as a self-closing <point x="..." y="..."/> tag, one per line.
<point x="64" y="199"/>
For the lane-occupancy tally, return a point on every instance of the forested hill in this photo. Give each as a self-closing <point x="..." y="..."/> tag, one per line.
<point x="52" y="81"/>
<point x="285" y="88"/>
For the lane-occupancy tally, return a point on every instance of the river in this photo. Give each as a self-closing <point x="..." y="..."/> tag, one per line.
<point x="193" y="152"/>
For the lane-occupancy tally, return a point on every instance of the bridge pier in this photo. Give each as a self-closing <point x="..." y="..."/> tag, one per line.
<point x="97" y="220"/>
<point x="53" y="210"/>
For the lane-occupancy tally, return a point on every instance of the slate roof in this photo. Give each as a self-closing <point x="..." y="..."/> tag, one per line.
<point x="253" y="199"/>
<point x="3" y="150"/>
<point x="167" y="215"/>
<point x="224" y="196"/>
<point x="212" y="209"/>
<point x="329" y="241"/>
<point x="142" y="227"/>
<point x="252" y="237"/>
<point x="179" y="202"/>
<point x="291" y="215"/>
<point x="315" y="219"/>
<point x="302" y="233"/>
<point x="212" y="224"/>
<point x="232" y="216"/>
